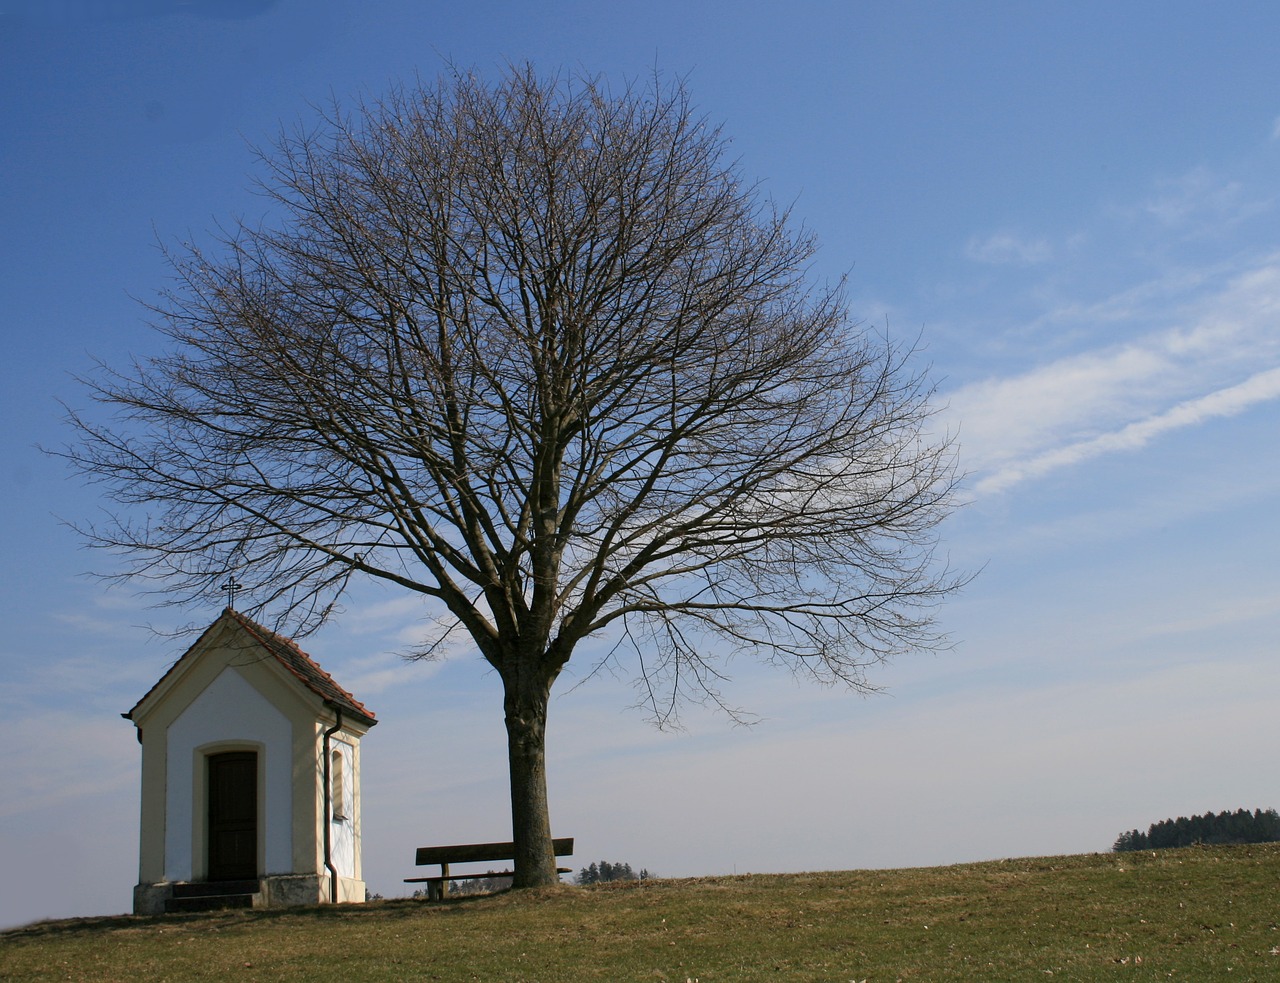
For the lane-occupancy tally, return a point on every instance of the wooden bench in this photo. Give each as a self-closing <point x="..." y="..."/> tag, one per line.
<point x="478" y="853"/>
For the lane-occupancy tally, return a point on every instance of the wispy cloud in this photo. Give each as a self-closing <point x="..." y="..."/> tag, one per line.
<point x="1220" y="357"/>
<point x="60" y="757"/>
<point x="1227" y="402"/>
<point x="1203" y="203"/>
<point x="366" y="616"/>
<point x="379" y="673"/>
<point x="1005" y="248"/>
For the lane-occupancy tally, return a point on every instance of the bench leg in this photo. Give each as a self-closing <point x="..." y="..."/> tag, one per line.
<point x="437" y="890"/>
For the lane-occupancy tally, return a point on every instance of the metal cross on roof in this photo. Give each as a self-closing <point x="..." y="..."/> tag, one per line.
<point x="232" y="587"/>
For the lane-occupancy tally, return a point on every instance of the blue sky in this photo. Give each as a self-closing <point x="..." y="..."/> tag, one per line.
<point x="1073" y="204"/>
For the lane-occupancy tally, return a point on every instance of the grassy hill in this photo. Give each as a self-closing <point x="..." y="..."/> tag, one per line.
<point x="1195" y="914"/>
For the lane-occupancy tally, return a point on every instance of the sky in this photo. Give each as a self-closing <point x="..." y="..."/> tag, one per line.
<point x="1072" y="206"/>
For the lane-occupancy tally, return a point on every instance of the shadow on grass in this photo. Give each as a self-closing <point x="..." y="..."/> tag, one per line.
<point x="394" y="909"/>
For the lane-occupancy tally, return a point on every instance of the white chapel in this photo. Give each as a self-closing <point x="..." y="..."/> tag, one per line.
<point x="250" y="777"/>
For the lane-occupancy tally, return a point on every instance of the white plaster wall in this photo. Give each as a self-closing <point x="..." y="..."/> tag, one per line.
<point x="229" y="709"/>
<point x="342" y="832"/>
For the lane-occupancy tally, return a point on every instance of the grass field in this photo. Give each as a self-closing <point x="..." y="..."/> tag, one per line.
<point x="1201" y="914"/>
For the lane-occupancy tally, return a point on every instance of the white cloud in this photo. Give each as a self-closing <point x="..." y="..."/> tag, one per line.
<point x="59" y="757"/>
<point x="364" y="616"/>
<point x="1202" y="202"/>
<point x="379" y="673"/>
<point x="1218" y="614"/>
<point x="1221" y="358"/>
<point x="1004" y="248"/>
<point x="1226" y="402"/>
<point x="1003" y="419"/>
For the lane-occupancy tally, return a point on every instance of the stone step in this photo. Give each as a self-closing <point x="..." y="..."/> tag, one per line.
<point x="212" y="895"/>
<point x="214" y="902"/>
<point x="209" y="889"/>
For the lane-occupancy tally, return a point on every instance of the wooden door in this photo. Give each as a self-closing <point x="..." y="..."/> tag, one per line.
<point x="233" y="816"/>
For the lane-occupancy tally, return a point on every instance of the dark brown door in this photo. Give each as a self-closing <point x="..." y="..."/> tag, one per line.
<point x="233" y="816"/>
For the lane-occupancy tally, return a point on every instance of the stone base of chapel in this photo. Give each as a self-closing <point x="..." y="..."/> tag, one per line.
<point x="274" y="891"/>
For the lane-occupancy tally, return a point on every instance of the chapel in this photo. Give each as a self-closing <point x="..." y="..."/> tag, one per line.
<point x="250" y="777"/>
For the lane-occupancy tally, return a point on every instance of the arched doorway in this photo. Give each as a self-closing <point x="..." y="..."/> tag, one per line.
<point x="233" y="816"/>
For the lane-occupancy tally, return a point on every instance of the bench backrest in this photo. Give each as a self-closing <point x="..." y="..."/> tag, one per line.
<point x="464" y="853"/>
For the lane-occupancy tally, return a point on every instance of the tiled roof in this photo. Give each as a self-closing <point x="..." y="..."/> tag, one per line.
<point x="305" y="669"/>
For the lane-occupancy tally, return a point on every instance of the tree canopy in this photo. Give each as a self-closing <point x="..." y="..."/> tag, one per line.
<point x="536" y="351"/>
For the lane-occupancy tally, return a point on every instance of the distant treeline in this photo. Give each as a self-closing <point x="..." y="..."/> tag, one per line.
<point x="1241" y="826"/>
<point x="603" y="871"/>
<point x="499" y="880"/>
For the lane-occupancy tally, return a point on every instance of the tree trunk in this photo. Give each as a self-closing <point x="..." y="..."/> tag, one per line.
<point x="526" y="710"/>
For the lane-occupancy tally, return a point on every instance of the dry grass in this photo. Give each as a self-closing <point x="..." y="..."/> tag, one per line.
<point x="1197" y="914"/>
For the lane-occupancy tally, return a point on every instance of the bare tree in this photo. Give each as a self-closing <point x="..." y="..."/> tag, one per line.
<point x="535" y="351"/>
